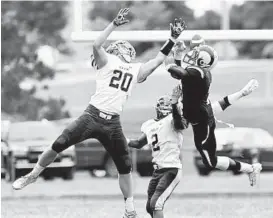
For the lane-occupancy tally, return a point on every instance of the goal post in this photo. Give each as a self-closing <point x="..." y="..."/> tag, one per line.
<point x="162" y="35"/>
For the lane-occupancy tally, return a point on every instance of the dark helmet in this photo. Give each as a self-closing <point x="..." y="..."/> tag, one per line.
<point x="163" y="106"/>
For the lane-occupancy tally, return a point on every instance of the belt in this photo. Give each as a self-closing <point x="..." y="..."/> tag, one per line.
<point x="156" y="167"/>
<point x="105" y="116"/>
<point x="93" y="110"/>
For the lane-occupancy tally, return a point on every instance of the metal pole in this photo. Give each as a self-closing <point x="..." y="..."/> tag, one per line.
<point x="225" y="24"/>
<point x="77" y="13"/>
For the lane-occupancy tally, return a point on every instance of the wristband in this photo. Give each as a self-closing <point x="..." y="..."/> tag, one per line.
<point x="177" y="62"/>
<point x="167" y="47"/>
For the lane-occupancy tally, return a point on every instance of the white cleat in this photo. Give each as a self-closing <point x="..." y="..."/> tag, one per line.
<point x="250" y="87"/>
<point x="23" y="181"/>
<point x="255" y="175"/>
<point x="132" y="214"/>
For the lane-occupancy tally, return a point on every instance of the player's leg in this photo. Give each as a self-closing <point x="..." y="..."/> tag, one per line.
<point x="206" y="144"/>
<point x="116" y="145"/>
<point x="167" y="183"/>
<point x="75" y="132"/>
<point x="223" y="104"/>
<point x="151" y="190"/>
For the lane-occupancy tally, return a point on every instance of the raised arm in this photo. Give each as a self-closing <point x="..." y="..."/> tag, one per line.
<point x="100" y="57"/>
<point x="178" y="50"/>
<point x="176" y="72"/>
<point x="221" y="105"/>
<point x="148" y="68"/>
<point x="138" y="143"/>
<point x="178" y="121"/>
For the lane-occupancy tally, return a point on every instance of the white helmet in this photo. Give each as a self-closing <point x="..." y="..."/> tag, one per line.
<point x="122" y="49"/>
<point x="202" y="56"/>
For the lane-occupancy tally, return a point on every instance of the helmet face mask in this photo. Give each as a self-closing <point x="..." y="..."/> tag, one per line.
<point x="202" y="56"/>
<point x="123" y="49"/>
<point x="163" y="107"/>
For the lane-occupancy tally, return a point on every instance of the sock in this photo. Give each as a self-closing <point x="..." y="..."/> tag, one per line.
<point x="234" y="165"/>
<point x="37" y="170"/>
<point x="246" y="168"/>
<point x="224" y="103"/>
<point x="129" y="204"/>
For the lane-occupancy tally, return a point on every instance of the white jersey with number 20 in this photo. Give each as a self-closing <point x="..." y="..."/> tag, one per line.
<point x="114" y="83"/>
<point x="165" y="142"/>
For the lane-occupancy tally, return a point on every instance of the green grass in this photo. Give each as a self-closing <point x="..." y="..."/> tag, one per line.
<point x="218" y="207"/>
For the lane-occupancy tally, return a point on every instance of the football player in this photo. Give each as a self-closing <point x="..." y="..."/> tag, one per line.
<point x="115" y="78"/>
<point x="197" y="109"/>
<point x="183" y="54"/>
<point x="164" y="135"/>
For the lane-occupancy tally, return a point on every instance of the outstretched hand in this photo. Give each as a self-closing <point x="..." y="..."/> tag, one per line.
<point x="178" y="49"/>
<point x="176" y="94"/>
<point x="177" y="27"/>
<point x="120" y="18"/>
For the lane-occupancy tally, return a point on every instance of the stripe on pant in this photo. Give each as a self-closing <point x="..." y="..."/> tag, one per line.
<point x="164" y="196"/>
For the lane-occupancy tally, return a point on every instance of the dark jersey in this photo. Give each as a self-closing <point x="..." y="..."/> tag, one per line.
<point x="195" y="87"/>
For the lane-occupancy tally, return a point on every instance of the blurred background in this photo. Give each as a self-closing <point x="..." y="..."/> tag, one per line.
<point x="47" y="81"/>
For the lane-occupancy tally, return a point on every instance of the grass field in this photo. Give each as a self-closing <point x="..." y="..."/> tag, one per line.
<point x="217" y="207"/>
<point x="219" y="195"/>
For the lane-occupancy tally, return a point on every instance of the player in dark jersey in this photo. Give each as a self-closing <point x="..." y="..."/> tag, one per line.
<point x="196" y="80"/>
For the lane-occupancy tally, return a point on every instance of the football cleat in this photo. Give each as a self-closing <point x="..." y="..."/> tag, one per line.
<point x="250" y="87"/>
<point x="23" y="181"/>
<point x="132" y="214"/>
<point x="255" y="174"/>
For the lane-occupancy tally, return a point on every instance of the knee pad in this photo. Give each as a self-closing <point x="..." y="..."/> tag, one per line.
<point x="123" y="164"/>
<point x="61" y="143"/>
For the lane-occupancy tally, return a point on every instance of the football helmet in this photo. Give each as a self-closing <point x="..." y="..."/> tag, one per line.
<point x="202" y="56"/>
<point x="123" y="50"/>
<point x="163" y="106"/>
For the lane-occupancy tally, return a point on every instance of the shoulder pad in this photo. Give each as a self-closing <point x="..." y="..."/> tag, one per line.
<point x="146" y="124"/>
<point x="196" y="70"/>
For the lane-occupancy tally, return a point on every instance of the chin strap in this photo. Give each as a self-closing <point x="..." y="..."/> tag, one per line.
<point x="230" y="125"/>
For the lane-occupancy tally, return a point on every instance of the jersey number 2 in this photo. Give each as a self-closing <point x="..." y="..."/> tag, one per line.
<point x="125" y="83"/>
<point x="154" y="143"/>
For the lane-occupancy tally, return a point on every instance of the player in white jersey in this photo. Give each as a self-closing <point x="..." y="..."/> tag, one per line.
<point x="115" y="79"/>
<point x="164" y="135"/>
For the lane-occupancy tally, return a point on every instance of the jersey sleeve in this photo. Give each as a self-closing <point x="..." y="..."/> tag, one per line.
<point x="135" y="71"/>
<point x="112" y="62"/>
<point x="145" y="126"/>
<point x="195" y="72"/>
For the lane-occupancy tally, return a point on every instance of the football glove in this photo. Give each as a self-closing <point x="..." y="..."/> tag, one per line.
<point x="176" y="94"/>
<point x="177" y="27"/>
<point x="178" y="49"/>
<point x="120" y="18"/>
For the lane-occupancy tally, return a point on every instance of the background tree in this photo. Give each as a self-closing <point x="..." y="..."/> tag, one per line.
<point x="252" y="15"/>
<point x="25" y="26"/>
<point x="150" y="15"/>
<point x="157" y="15"/>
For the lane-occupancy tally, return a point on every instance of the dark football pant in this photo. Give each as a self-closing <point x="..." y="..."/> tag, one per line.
<point x="160" y="188"/>
<point x="204" y="137"/>
<point x="205" y="142"/>
<point x="104" y="127"/>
